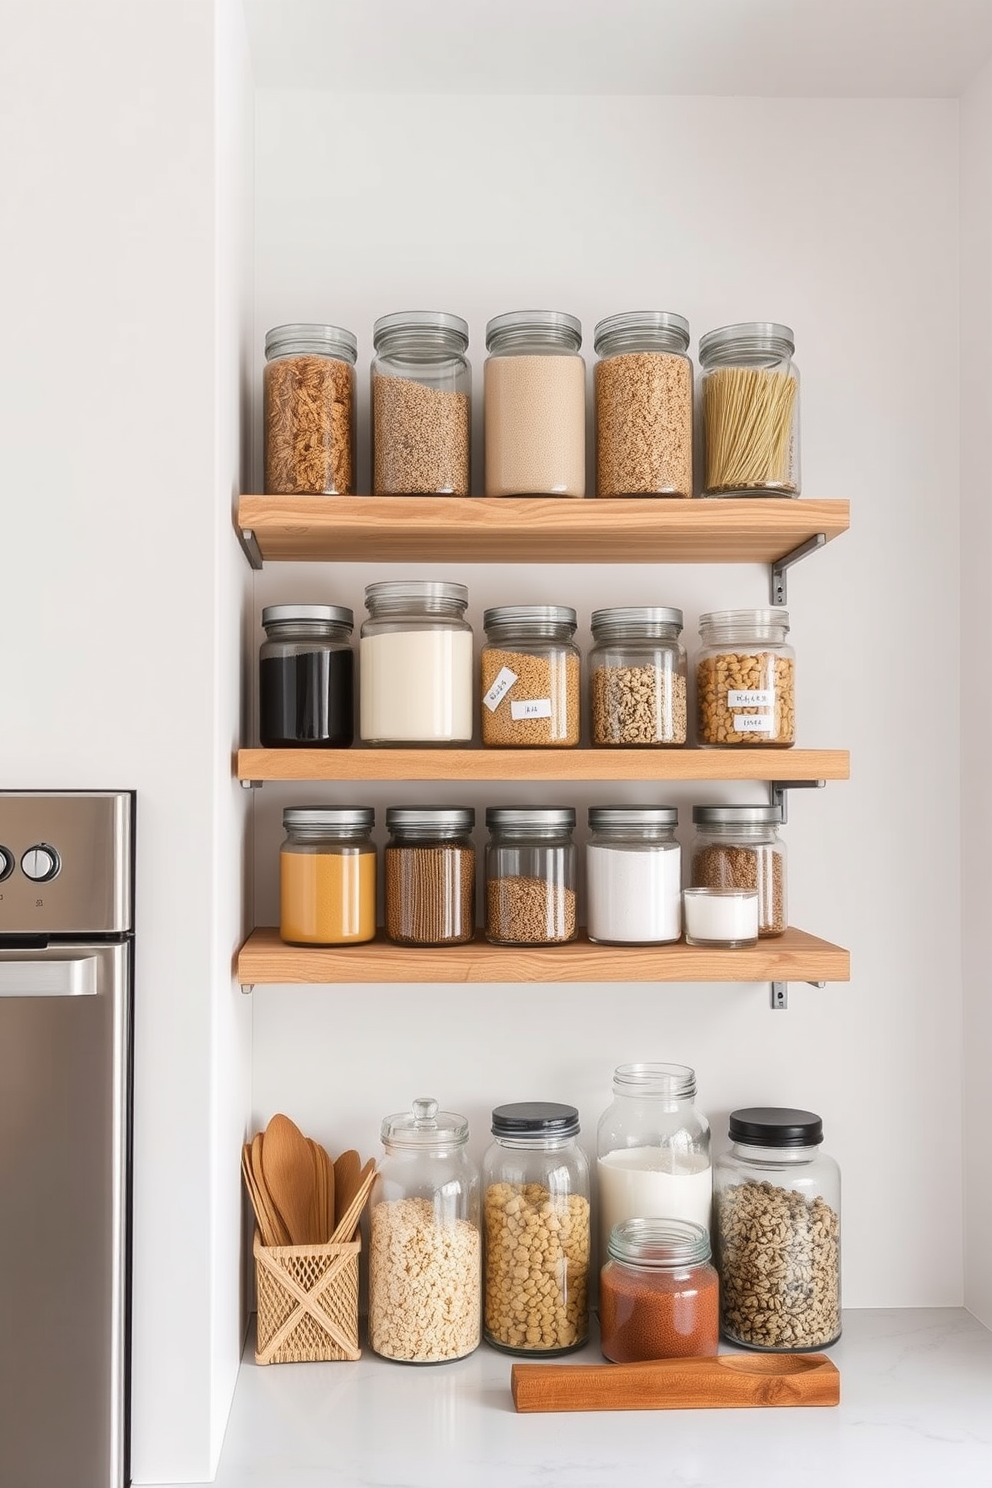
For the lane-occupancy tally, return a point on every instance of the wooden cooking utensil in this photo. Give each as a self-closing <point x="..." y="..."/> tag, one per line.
<point x="345" y="1227"/>
<point x="678" y="1384"/>
<point x="347" y="1169"/>
<point x="330" y="1190"/>
<point x="318" y="1218"/>
<point x="287" y="1165"/>
<point x="270" y="1226"/>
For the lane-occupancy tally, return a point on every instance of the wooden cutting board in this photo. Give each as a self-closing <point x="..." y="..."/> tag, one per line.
<point x="733" y="1380"/>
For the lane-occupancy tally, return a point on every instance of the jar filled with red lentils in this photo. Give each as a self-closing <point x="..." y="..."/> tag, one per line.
<point x="659" y="1295"/>
<point x="530" y="677"/>
<point x="643" y="384"/>
<point x="745" y="679"/>
<point x="535" y="405"/>
<point x="421" y="405"/>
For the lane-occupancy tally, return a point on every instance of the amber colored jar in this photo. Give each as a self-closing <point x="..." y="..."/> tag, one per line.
<point x="659" y="1297"/>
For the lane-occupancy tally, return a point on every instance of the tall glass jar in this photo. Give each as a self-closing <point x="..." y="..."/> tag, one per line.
<point x="425" y="1240"/>
<point x="750" y="410"/>
<point x="738" y="847"/>
<point x="535" y="405"/>
<point x="745" y="679"/>
<point x="653" y="1149"/>
<point x="535" y="1181"/>
<point x="306" y="677"/>
<point x="633" y="875"/>
<point x="327" y="873"/>
<point x="643" y="384"/>
<point x="659" y="1296"/>
<point x="530" y="677"/>
<point x="308" y="409"/>
<point x="777" y="1205"/>
<point x="421" y="405"/>
<point x="430" y="875"/>
<point x="530" y="875"/>
<point x="416" y="679"/>
<point x="637" y="677"/>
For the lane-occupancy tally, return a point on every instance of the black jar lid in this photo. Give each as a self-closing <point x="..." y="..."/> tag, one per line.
<point x="775" y="1126"/>
<point x="535" y="1119"/>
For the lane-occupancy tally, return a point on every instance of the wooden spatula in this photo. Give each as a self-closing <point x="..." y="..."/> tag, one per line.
<point x="287" y="1164"/>
<point x="270" y="1226"/>
<point x="345" y="1227"/>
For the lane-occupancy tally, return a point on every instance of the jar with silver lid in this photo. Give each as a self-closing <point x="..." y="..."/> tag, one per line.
<point x="535" y="405"/>
<point x="306" y="677"/>
<point x="530" y="677"/>
<point x="530" y="875"/>
<point x="416" y="680"/>
<point x="430" y="875"/>
<point x="637" y="677"/>
<point x="750" y="410"/>
<point x="421" y="405"/>
<point x="658" y="1292"/>
<point x="738" y="847"/>
<point x="327" y="876"/>
<point x="643" y="383"/>
<point x="745" y="679"/>
<point x="308" y="410"/>
<point x="634" y="875"/>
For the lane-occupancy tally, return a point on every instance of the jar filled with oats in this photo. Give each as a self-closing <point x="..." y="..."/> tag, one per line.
<point x="738" y="847"/>
<point x="421" y="405"/>
<point x="535" y="1181"/>
<point x="308" y="409"/>
<point x="643" y="385"/>
<point x="750" y="410"/>
<point x="530" y="677"/>
<point x="535" y="394"/>
<point x="425" y="1241"/>
<point x="745" y="679"/>
<point x="637" y="677"/>
<point x="530" y="875"/>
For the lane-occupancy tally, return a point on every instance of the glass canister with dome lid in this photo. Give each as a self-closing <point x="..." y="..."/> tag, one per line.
<point x="421" y="405"/>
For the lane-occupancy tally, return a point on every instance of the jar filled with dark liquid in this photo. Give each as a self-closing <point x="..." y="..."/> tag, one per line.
<point x="306" y="677"/>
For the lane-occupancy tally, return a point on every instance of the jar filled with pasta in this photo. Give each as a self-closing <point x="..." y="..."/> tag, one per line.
<point x="750" y="410"/>
<point x="308" y="409"/>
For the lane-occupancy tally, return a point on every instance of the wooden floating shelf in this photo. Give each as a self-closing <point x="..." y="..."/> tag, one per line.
<point x="792" y="957"/>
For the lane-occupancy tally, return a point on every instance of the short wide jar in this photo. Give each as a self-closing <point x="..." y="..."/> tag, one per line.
<point x="637" y="677"/>
<point x="421" y="405"/>
<point x="530" y="677"/>
<point x="634" y="875"/>
<point x="643" y="386"/>
<point x="745" y="680"/>
<point x="530" y="875"/>
<point x="659" y="1296"/>
<point x="430" y="875"/>
<point x="416" y="664"/>
<point x="308" y="410"/>
<point x="750" y="410"/>
<point x="738" y="847"/>
<point x="306" y="677"/>
<point x="535" y="405"/>
<point x="327" y="874"/>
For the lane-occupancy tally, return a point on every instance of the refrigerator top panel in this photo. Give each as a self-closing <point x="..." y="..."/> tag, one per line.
<point x="66" y="862"/>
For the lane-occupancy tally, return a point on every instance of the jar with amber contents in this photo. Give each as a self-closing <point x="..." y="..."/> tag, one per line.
<point x="659" y="1295"/>
<point x="327" y="876"/>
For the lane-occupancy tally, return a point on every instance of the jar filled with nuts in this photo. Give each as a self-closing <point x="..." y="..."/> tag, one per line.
<point x="536" y="1216"/>
<point x="530" y="677"/>
<point x="530" y="875"/>
<point x="738" y="847"/>
<point x="643" y="384"/>
<point x="745" y="679"/>
<point x="308" y="409"/>
<point x="637" y="677"/>
<point x="421" y="413"/>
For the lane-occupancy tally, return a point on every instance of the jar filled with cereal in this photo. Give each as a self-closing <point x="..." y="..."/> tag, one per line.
<point x="530" y="677"/>
<point x="745" y="679"/>
<point x="637" y="677"/>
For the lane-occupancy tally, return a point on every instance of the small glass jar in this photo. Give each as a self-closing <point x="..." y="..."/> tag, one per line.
<point x="425" y="1240"/>
<point x="643" y="384"/>
<point x="637" y="677"/>
<point x="535" y="405"/>
<point x="659" y="1296"/>
<point x="652" y="1150"/>
<point x="530" y="677"/>
<point x="530" y="875"/>
<point x="327" y="876"/>
<point x="308" y="409"/>
<point x="535" y="1181"/>
<point x="745" y="679"/>
<point x="633" y="875"/>
<point x="777" y="1205"/>
<point x="430" y="875"/>
<point x="421" y="405"/>
<point x="416" y="677"/>
<point x="720" y="919"/>
<point x="750" y="410"/>
<point x="738" y="847"/>
<point x="306" y="677"/>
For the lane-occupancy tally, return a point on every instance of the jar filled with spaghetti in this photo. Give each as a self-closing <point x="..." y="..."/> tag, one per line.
<point x="308" y="405"/>
<point x="327" y="876"/>
<point x="750" y="410"/>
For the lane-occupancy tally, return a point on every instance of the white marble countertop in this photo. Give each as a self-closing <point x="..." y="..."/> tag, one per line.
<point x="915" y="1412"/>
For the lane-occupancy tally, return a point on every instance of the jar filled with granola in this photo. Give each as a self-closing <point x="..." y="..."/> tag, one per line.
<point x="637" y="677"/>
<point x="308" y="409"/>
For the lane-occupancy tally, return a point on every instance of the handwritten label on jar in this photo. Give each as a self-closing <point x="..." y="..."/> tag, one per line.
<point x="758" y="697"/>
<point x="503" y="682"/>
<point x="531" y="708"/>
<point x="754" y="723"/>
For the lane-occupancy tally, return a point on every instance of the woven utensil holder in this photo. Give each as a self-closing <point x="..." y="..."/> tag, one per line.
<point x="307" y="1302"/>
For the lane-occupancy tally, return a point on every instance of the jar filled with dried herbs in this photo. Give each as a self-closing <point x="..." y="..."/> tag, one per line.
<point x="308" y="397"/>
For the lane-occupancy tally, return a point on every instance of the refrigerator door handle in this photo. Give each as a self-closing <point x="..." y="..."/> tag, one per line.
<point x="75" y="977"/>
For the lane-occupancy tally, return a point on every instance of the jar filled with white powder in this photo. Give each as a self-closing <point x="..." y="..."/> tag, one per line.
<point x="634" y="875"/>
<point x="416" y="671"/>
<point x="535" y="405"/>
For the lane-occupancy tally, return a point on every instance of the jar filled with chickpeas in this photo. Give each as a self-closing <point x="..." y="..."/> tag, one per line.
<point x="535" y="1182"/>
<point x="745" y="679"/>
<point x="643" y="382"/>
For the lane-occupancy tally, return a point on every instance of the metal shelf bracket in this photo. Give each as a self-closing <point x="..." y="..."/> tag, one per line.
<point x="779" y="567"/>
<point x="252" y="784"/>
<point x="249" y="543"/>
<point x="780" y="994"/>
<point x="777" y="790"/>
<point x="247" y="988"/>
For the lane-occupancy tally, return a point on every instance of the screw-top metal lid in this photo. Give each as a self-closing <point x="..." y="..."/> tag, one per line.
<point x="524" y="1119"/>
<point x="636" y="615"/>
<point x="324" y="614"/>
<point x="629" y="323"/>
<point x="766" y="335"/>
<point x="659" y="1244"/>
<point x="530" y="816"/>
<point x="737" y="815"/>
<point x="418" y="590"/>
<point x="427" y="818"/>
<point x="555" y="325"/>
<point x="775" y="1126"/>
<point x="425" y="1126"/>
<point x="524" y="615"/>
<point x="300" y="337"/>
<point x="453" y="326"/>
<point x="328" y="816"/>
<point x="633" y="816"/>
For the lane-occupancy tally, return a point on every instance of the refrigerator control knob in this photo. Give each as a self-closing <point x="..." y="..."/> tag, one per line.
<point x="40" y="863"/>
<point x="6" y="863"/>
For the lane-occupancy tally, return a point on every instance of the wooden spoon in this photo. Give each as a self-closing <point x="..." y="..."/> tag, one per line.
<point x="345" y="1228"/>
<point x="347" y="1170"/>
<point x="323" y="1200"/>
<point x="287" y="1164"/>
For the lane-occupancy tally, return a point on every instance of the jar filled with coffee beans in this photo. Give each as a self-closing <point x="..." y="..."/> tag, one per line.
<point x="745" y="679"/>
<point x="738" y="847"/>
<point x="530" y="677"/>
<point x="530" y="875"/>
<point x="430" y="875"/>
<point x="637" y="677"/>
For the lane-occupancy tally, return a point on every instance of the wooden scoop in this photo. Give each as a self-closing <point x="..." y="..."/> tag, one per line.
<point x="345" y="1227"/>
<point x="678" y="1384"/>
<point x="287" y="1165"/>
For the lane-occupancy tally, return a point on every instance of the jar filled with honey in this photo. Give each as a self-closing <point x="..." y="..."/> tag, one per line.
<point x="327" y="876"/>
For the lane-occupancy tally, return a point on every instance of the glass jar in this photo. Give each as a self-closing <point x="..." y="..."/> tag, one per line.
<point x="634" y="875"/>
<point x="430" y="875"/>
<point x="721" y="919"/>
<point x="652" y="1150"/>
<point x="327" y="874"/>
<point x="659" y="1296"/>
<point x="535" y="405"/>
<point x="637" y="677"/>
<point x="530" y="677"/>
<point x="416" y="678"/>
<point x="738" y="847"/>
<point x="750" y="410"/>
<point x="530" y="875"/>
<point x="777" y="1206"/>
<point x="421" y="405"/>
<point x="745" y="679"/>
<point x="643" y="384"/>
<point x="425" y="1240"/>
<point x="306" y="677"/>
<point x="535" y="1182"/>
<point x="308" y="410"/>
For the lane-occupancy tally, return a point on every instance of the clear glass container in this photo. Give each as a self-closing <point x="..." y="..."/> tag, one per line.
<point x="416" y="680"/>
<point x="306" y="677"/>
<point x="425" y="1240"/>
<point x="652" y="1150"/>
<point x="659" y="1296"/>
<point x="535" y="405"/>
<point x="535" y="1181"/>
<point x="738" y="847"/>
<point x="637" y="677"/>
<point x="643" y="385"/>
<point x="530" y="677"/>
<point x="308" y="410"/>
<point x="745" y="679"/>
<point x="327" y="876"/>
<point x="530" y="875"/>
<point x="430" y="875"/>
<point x="421" y="405"/>
<point x="750" y="410"/>
<point x="633" y="875"/>
<point x="777" y="1209"/>
<point x="722" y="919"/>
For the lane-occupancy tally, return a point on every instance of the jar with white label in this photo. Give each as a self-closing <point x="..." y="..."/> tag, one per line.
<point x="637" y="677"/>
<point x="416" y="665"/>
<point x="530" y="677"/>
<point x="750" y="410"/>
<point x="745" y="679"/>
<point x="535" y="405"/>
<point x="530" y="875"/>
<point x="738" y="847"/>
<point x="634" y="875"/>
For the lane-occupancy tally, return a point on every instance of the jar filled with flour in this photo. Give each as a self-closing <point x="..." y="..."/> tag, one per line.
<point x="416" y="669"/>
<point x="535" y="405"/>
<point x="633" y="875"/>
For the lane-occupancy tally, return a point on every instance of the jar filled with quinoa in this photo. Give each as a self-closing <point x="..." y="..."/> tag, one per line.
<point x="421" y="405"/>
<point x="530" y="875"/>
<point x="643" y="388"/>
<point x="637" y="677"/>
<point x="308" y="410"/>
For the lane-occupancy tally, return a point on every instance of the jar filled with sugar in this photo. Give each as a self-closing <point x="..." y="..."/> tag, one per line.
<point x="416" y="664"/>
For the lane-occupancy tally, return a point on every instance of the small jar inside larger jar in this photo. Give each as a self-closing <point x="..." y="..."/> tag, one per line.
<point x="738" y="847"/>
<point x="745" y="680"/>
<point x="308" y="398"/>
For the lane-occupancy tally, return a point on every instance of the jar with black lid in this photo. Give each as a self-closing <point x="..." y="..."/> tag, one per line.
<point x="306" y="677"/>
<point x="637" y="677"/>
<point x="430" y="875"/>
<point x="308" y="408"/>
<point x="750" y="410"/>
<point x="643" y="383"/>
<point x="421" y="405"/>
<point x="738" y="847"/>
<point x="530" y="875"/>
<point x="530" y="677"/>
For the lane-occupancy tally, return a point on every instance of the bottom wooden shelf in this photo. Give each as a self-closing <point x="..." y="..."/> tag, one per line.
<point x="792" y="957"/>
